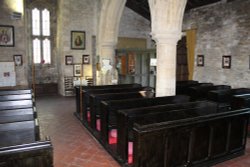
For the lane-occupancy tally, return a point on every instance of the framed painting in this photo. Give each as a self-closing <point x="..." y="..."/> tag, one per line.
<point x="18" y="60"/>
<point x="85" y="59"/>
<point x="200" y="60"/>
<point x="226" y="62"/>
<point x="77" y="70"/>
<point x="69" y="60"/>
<point x="78" y="40"/>
<point x="7" y="36"/>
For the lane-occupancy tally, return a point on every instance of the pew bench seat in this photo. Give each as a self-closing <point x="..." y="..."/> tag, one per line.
<point x="16" y="133"/>
<point x="17" y="115"/>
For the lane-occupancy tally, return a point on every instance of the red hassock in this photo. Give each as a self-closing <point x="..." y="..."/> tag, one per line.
<point x="130" y="152"/>
<point x="113" y="136"/>
<point x="98" y="124"/>
<point x="88" y="116"/>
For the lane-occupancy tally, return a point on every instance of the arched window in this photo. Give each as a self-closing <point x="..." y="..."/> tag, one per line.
<point x="41" y="36"/>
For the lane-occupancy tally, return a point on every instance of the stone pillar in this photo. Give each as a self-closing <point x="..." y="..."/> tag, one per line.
<point x="166" y="23"/>
<point x="166" y="65"/>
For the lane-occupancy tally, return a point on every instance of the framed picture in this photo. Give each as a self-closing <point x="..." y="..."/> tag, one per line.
<point x="226" y="62"/>
<point x="18" y="60"/>
<point x="200" y="60"/>
<point x="7" y="37"/>
<point x="85" y="59"/>
<point x="78" y="40"/>
<point x="68" y="60"/>
<point x="77" y="70"/>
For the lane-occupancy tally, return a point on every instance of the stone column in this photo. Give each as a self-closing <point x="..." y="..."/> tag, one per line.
<point x="166" y="23"/>
<point x="166" y="65"/>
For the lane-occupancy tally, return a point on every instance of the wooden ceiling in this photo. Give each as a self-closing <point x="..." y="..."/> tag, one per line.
<point x="141" y="6"/>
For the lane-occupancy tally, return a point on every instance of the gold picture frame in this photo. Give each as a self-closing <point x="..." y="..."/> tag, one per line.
<point x="78" y="40"/>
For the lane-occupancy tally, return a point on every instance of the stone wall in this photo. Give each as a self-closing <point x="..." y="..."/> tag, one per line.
<point x="133" y="25"/>
<point x="222" y="29"/>
<point x="75" y="15"/>
<point x="6" y="53"/>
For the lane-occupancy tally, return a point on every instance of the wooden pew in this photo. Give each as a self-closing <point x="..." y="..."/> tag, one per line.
<point x="17" y="115"/>
<point x="190" y="139"/>
<point x="240" y="101"/>
<point x="86" y="94"/>
<point x="15" y="92"/>
<point x="182" y="86"/>
<point x="20" y="144"/>
<point x="16" y="97"/>
<point x="16" y="133"/>
<point x="126" y="119"/>
<point x="78" y="93"/>
<point x="95" y="104"/>
<point x="225" y="97"/>
<point x="36" y="154"/>
<point x="109" y="108"/>
<point x="201" y="92"/>
<point x="18" y="104"/>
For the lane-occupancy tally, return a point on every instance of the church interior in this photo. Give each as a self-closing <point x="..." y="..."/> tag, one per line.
<point x="131" y="83"/>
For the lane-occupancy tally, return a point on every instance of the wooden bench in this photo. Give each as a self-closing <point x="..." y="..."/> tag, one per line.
<point x="17" y="115"/>
<point x="201" y="92"/>
<point x="190" y="139"/>
<point x="15" y="92"/>
<point x="18" y="104"/>
<point x="20" y="144"/>
<point x="109" y="108"/>
<point x="95" y="104"/>
<point x="78" y="92"/>
<point x="240" y="101"/>
<point x="35" y="154"/>
<point x="126" y="119"/>
<point x="16" y="97"/>
<point x="16" y="133"/>
<point x="86" y="95"/>
<point x="225" y="97"/>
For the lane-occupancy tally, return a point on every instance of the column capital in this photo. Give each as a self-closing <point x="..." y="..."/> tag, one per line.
<point x="166" y="37"/>
<point x="108" y="44"/>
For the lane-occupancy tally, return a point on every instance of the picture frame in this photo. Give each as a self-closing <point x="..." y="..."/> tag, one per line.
<point x="68" y="60"/>
<point x="7" y="36"/>
<point x="85" y="59"/>
<point x="18" y="60"/>
<point x="78" y="40"/>
<point x="226" y="61"/>
<point x="200" y="60"/>
<point x="77" y="70"/>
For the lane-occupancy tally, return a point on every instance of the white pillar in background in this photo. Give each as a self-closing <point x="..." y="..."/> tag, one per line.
<point x="166" y="23"/>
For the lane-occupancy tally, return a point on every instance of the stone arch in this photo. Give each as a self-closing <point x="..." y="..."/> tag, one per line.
<point x="110" y="15"/>
<point x="107" y="35"/>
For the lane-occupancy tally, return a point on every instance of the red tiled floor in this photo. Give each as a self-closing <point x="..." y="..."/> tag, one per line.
<point x="75" y="147"/>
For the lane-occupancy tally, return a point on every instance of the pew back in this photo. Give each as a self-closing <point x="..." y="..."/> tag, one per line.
<point x="95" y="102"/>
<point x="78" y="93"/>
<point x="37" y="154"/>
<point x="109" y="109"/>
<point x="155" y="114"/>
<point x="203" y="139"/>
